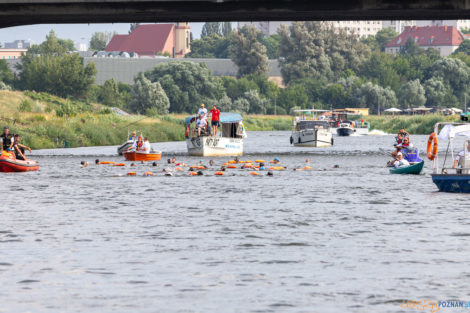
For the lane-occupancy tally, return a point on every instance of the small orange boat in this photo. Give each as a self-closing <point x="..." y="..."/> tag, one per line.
<point x="139" y="156"/>
<point x="8" y="163"/>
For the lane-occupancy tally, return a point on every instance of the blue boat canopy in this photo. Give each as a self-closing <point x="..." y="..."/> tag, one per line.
<point x="225" y="117"/>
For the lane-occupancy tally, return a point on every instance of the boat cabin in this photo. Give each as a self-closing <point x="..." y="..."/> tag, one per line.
<point x="310" y="125"/>
<point x="231" y="126"/>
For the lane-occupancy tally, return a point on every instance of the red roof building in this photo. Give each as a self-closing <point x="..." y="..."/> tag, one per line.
<point x="152" y="39"/>
<point x="445" y="39"/>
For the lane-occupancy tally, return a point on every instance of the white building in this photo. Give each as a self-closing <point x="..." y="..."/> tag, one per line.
<point x="360" y="28"/>
<point x="398" y="26"/>
<point x="459" y="24"/>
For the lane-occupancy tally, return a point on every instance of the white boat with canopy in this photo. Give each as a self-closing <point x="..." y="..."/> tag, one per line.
<point x="450" y="178"/>
<point x="307" y="131"/>
<point x="228" y="142"/>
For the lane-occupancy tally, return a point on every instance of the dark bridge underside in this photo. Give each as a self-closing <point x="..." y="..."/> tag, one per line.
<point x="23" y="12"/>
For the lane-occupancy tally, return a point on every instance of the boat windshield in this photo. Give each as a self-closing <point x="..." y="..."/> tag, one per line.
<point x="304" y="125"/>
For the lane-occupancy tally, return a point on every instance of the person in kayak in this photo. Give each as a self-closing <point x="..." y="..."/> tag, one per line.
<point x="19" y="148"/>
<point x="399" y="161"/>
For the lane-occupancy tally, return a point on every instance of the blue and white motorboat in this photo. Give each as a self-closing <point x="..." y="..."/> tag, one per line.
<point x="451" y="179"/>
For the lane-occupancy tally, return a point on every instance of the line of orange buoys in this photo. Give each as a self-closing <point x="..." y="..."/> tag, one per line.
<point x="197" y="170"/>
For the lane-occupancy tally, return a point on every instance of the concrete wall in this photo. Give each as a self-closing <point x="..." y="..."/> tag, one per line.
<point x="124" y="70"/>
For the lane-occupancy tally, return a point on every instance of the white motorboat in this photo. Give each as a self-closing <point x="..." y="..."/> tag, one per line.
<point x="228" y="142"/>
<point x="123" y="148"/>
<point x="345" y="129"/>
<point x="310" y="132"/>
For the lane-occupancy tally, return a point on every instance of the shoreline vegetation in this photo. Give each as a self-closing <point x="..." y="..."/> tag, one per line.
<point x="46" y="121"/>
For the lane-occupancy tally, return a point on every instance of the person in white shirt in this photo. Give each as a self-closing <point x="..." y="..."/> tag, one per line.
<point x="400" y="161"/>
<point x="459" y="159"/>
<point x="201" y="123"/>
<point x="202" y="111"/>
<point x="146" y="146"/>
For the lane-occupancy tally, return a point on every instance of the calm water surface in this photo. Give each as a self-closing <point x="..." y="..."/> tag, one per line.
<point x="347" y="239"/>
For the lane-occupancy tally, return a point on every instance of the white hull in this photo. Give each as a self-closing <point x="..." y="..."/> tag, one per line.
<point x="214" y="146"/>
<point x="312" y="138"/>
<point x="358" y="131"/>
<point x="123" y="148"/>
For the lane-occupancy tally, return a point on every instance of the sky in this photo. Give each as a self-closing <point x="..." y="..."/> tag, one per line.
<point x="79" y="33"/>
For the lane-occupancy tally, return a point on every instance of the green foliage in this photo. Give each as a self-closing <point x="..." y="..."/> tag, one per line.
<point x="415" y="124"/>
<point x="452" y="72"/>
<point x="25" y="106"/>
<point x="6" y="74"/>
<point x="110" y="95"/>
<point x="4" y="86"/>
<point x="133" y="26"/>
<point x="411" y="48"/>
<point x="438" y="93"/>
<point x="63" y="75"/>
<point x="60" y="106"/>
<point x="187" y="84"/>
<point x="148" y="97"/>
<point x="272" y="45"/>
<point x="213" y="46"/>
<point x="99" y="40"/>
<point x="384" y="36"/>
<point x="411" y="95"/>
<point x="211" y="28"/>
<point x="375" y="97"/>
<point x="52" y="46"/>
<point x="464" y="47"/>
<point x="248" y="53"/>
<point x="295" y="95"/>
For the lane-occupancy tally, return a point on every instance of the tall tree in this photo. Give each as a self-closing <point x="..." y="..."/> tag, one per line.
<point x="384" y="36"/>
<point x="148" y="97"/>
<point x="411" y="94"/>
<point x="454" y="73"/>
<point x="187" y="84"/>
<point x="214" y="46"/>
<point x="248" y="53"/>
<point x="226" y="29"/>
<point x="464" y="47"/>
<point x="52" y="46"/>
<point x="438" y="94"/>
<point x="6" y="74"/>
<point x="211" y="28"/>
<point x="99" y="40"/>
<point x="375" y="97"/>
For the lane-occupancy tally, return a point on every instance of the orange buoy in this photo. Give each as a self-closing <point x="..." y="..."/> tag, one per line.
<point x="279" y="168"/>
<point x="248" y="166"/>
<point x="271" y="168"/>
<point x="200" y="167"/>
<point x="232" y="162"/>
<point x="178" y="169"/>
<point x="256" y="166"/>
<point x="232" y="166"/>
<point x="192" y="173"/>
<point x="119" y="164"/>
<point x="260" y="161"/>
<point x="148" y="174"/>
<point x="219" y="173"/>
<point x="131" y="174"/>
<point x="106" y="162"/>
<point x="307" y="168"/>
<point x="248" y="161"/>
<point x="254" y="173"/>
<point x="432" y="146"/>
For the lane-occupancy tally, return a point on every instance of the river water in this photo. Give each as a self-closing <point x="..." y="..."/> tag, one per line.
<point x="347" y="239"/>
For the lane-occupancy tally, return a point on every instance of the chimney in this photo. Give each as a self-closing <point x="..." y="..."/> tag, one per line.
<point x="445" y="28"/>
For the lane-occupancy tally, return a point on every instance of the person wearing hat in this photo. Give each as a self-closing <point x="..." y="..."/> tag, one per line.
<point x="133" y="137"/>
<point x="203" y="112"/>
<point x="7" y="139"/>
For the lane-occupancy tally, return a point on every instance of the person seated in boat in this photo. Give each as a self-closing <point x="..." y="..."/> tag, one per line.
<point x="137" y="145"/>
<point x="19" y="148"/>
<point x="7" y="139"/>
<point x="145" y="148"/>
<point x="402" y="134"/>
<point x="459" y="160"/>
<point x="201" y="124"/>
<point x="399" y="161"/>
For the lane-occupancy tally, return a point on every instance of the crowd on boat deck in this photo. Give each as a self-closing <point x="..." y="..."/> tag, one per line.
<point x="405" y="152"/>
<point x="202" y="126"/>
<point x="12" y="143"/>
<point x="139" y="145"/>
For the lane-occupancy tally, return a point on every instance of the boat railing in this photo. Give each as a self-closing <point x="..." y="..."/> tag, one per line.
<point x="459" y="170"/>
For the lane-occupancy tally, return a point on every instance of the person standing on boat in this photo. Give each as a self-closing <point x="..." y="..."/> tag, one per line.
<point x="215" y="113"/>
<point x="202" y="111"/>
<point x="459" y="160"/>
<point x="19" y="148"/>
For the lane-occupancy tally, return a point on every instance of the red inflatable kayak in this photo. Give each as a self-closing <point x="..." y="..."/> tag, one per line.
<point x="8" y="163"/>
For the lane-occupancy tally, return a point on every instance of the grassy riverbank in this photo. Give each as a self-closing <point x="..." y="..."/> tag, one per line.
<point x="45" y="121"/>
<point x="417" y="124"/>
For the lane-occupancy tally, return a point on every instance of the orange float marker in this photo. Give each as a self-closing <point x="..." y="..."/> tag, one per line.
<point x="119" y="164"/>
<point x="106" y="162"/>
<point x="219" y="173"/>
<point x="232" y="166"/>
<point x="131" y="174"/>
<point x="254" y="173"/>
<point x="148" y="174"/>
<point x="178" y="169"/>
<point x="307" y="168"/>
<point x="192" y="173"/>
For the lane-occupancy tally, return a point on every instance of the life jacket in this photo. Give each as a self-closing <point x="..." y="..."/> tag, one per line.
<point x="6" y="141"/>
<point x="411" y="156"/>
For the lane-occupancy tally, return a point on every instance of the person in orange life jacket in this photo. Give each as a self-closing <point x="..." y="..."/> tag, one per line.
<point x="137" y="144"/>
<point x="19" y="148"/>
